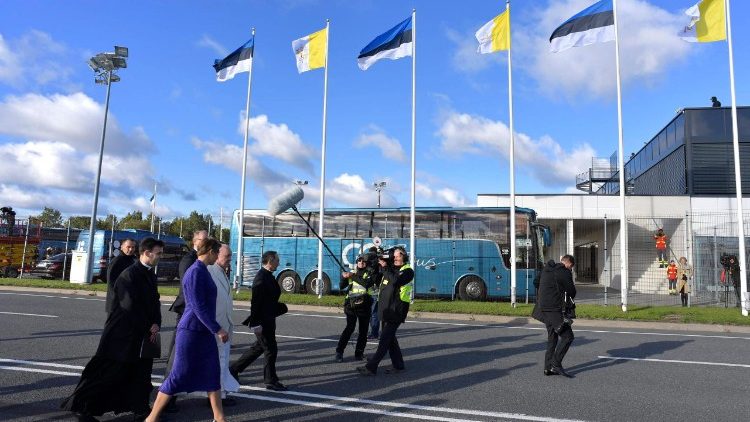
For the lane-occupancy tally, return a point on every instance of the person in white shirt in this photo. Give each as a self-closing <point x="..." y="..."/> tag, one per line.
<point x="218" y="272"/>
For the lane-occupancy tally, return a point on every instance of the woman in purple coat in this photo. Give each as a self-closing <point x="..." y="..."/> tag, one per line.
<point x="196" y="361"/>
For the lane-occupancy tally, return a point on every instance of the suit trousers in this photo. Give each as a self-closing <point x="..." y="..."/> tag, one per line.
<point x="556" y="350"/>
<point x="265" y="345"/>
<point x="387" y="343"/>
<point x="351" y="321"/>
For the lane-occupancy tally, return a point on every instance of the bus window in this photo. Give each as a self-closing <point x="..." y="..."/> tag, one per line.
<point x="284" y="225"/>
<point x="340" y="225"/>
<point x="253" y="226"/>
<point x="427" y="225"/>
<point x="384" y="225"/>
<point x="476" y="225"/>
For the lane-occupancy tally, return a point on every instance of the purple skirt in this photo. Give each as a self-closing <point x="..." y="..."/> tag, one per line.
<point x="196" y="364"/>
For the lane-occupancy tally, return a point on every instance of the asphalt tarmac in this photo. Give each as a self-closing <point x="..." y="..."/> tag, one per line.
<point x="456" y="370"/>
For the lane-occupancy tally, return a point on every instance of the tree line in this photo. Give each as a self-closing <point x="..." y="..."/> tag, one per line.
<point x="50" y="217"/>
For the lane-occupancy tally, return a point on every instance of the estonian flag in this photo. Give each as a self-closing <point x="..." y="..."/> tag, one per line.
<point x="153" y="200"/>
<point x="393" y="44"/>
<point x="241" y="60"/>
<point x="592" y="25"/>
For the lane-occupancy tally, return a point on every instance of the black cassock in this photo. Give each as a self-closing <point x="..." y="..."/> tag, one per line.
<point x="117" y="379"/>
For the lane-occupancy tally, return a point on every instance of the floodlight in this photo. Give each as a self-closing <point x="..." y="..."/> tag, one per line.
<point x="121" y="51"/>
<point x="114" y="78"/>
<point x="119" y="63"/>
<point x="93" y="64"/>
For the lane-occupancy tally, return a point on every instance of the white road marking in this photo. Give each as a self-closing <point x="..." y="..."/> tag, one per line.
<point x="39" y="315"/>
<point x="459" y="324"/>
<point x="502" y="415"/>
<point x="692" y="362"/>
<point x="495" y="415"/>
<point x="36" y="363"/>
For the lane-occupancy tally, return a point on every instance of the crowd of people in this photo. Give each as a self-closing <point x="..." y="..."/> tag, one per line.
<point x="118" y="378"/>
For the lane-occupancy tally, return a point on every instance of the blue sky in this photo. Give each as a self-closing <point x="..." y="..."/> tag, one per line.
<point x="171" y="122"/>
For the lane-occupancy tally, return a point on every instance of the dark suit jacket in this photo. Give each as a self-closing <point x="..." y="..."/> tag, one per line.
<point x="116" y="267"/>
<point x="186" y="262"/>
<point x="555" y="281"/>
<point x="264" y="305"/>
<point x="136" y="307"/>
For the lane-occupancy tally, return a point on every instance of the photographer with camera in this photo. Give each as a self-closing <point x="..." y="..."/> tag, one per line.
<point x="731" y="274"/>
<point x="555" y="308"/>
<point x="357" y="306"/>
<point x="396" y="284"/>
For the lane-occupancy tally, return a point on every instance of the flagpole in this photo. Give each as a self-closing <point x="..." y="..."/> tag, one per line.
<point x="737" y="172"/>
<point x="513" y="278"/>
<point x="621" y="171"/>
<point x="412" y="250"/>
<point x="241" y="214"/>
<point x="153" y="209"/>
<point x="323" y="166"/>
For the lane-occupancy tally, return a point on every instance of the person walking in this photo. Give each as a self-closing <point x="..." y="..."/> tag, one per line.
<point x="396" y="285"/>
<point x="118" y="378"/>
<point x="116" y="266"/>
<point x="672" y="277"/>
<point x="196" y="360"/>
<point x="224" y="309"/>
<point x="555" y="285"/>
<point x="357" y="305"/>
<point x="178" y="306"/>
<point x="264" y="308"/>
<point x="684" y="275"/>
<point x="661" y="247"/>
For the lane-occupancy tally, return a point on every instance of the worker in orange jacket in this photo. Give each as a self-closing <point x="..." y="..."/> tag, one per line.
<point x="672" y="277"/>
<point x="661" y="247"/>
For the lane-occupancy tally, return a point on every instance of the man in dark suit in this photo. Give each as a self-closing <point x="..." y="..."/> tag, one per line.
<point x="264" y="308"/>
<point x="178" y="306"/>
<point x="116" y="266"/>
<point x="555" y="284"/>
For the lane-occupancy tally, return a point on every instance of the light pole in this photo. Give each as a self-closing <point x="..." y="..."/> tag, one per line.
<point x="379" y="186"/>
<point x="104" y="65"/>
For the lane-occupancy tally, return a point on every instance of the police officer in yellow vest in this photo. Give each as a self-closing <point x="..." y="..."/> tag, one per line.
<point x="395" y="295"/>
<point x="357" y="306"/>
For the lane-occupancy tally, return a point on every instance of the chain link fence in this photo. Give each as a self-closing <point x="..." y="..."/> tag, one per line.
<point x="703" y="239"/>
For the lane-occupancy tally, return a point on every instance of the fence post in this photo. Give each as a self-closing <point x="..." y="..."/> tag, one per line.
<point x="607" y="262"/>
<point x="688" y="242"/>
<point x="65" y="257"/>
<point x="25" y="245"/>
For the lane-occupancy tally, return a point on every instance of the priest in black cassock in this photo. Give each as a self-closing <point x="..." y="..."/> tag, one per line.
<point x="118" y="378"/>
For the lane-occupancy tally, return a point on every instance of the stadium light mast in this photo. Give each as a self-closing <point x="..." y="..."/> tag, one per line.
<point x="379" y="186"/>
<point x="105" y="66"/>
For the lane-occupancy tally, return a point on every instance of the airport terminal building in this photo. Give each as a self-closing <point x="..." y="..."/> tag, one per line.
<point x="682" y="180"/>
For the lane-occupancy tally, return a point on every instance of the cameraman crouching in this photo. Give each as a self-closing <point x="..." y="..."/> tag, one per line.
<point x="393" y="305"/>
<point x="555" y="280"/>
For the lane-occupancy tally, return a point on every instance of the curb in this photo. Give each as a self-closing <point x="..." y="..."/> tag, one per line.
<point x="497" y="319"/>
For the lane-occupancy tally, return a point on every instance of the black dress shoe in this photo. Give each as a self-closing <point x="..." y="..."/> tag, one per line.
<point x="558" y="370"/>
<point x="276" y="386"/>
<point x="549" y="372"/>
<point x="364" y="371"/>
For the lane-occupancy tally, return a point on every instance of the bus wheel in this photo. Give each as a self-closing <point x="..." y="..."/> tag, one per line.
<point x="289" y="281"/>
<point x="472" y="288"/>
<point x="311" y="283"/>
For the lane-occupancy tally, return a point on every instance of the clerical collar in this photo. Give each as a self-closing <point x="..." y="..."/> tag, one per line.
<point x="148" y="267"/>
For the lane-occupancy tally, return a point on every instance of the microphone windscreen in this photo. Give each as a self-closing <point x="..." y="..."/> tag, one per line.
<point x="285" y="200"/>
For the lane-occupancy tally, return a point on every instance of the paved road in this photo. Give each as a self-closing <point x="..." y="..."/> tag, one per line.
<point x="456" y="371"/>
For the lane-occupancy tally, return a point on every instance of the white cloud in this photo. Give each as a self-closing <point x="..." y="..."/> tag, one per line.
<point x="648" y="47"/>
<point x="440" y="195"/>
<point x="214" y="45"/>
<point x="230" y="156"/>
<point x="277" y="140"/>
<point x="34" y="59"/>
<point x="543" y="158"/>
<point x="389" y="147"/>
<point x="74" y="119"/>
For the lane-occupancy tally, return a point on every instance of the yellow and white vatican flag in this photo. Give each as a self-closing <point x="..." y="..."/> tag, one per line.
<point x="495" y="34"/>
<point x="310" y="51"/>
<point x="707" y="22"/>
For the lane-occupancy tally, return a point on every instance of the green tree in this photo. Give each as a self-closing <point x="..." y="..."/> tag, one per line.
<point x="49" y="217"/>
<point x="80" y="222"/>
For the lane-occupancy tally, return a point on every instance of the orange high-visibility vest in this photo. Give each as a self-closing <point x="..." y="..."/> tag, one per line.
<point x="672" y="272"/>
<point x="661" y="241"/>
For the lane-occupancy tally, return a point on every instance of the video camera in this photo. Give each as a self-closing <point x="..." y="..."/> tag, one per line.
<point x="728" y="261"/>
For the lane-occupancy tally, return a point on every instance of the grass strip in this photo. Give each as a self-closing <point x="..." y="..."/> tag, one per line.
<point x="675" y="314"/>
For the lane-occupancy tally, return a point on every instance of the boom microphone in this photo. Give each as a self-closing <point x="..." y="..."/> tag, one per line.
<point x="286" y="200"/>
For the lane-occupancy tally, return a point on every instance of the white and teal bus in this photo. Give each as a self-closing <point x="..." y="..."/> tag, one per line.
<point x="460" y="252"/>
